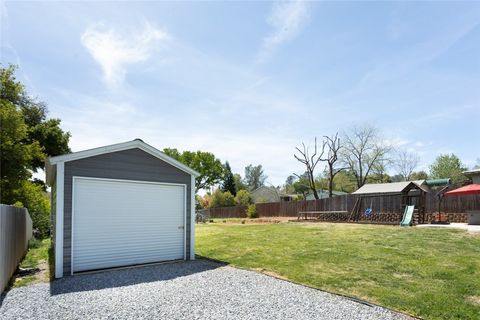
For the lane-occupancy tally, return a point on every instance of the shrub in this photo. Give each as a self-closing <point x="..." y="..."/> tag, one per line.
<point x="252" y="211"/>
<point x="243" y="198"/>
<point x="199" y="203"/>
<point x="222" y="199"/>
<point x="32" y="197"/>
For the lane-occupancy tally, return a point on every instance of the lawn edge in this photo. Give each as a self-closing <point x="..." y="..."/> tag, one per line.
<point x="354" y="299"/>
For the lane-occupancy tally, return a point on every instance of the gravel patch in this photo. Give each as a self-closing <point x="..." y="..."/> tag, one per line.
<point x="186" y="290"/>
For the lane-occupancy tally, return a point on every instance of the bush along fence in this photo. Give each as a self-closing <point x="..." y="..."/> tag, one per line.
<point x="15" y="231"/>
<point x="385" y="210"/>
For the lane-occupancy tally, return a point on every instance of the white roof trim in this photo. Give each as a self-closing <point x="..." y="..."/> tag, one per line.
<point x="121" y="147"/>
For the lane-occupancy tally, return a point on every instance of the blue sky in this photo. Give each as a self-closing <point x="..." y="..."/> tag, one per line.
<point x="249" y="81"/>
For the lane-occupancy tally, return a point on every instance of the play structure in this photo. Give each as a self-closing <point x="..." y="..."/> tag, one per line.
<point x="409" y="194"/>
<point x="407" y="216"/>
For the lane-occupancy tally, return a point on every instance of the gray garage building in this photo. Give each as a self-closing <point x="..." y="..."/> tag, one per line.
<point x="120" y="205"/>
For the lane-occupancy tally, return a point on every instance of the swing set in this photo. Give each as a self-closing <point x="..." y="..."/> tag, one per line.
<point x="373" y="199"/>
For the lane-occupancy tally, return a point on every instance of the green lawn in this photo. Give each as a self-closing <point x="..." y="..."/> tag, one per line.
<point x="431" y="273"/>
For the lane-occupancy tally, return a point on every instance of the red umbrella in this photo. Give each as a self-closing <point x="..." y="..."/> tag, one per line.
<point x="466" y="190"/>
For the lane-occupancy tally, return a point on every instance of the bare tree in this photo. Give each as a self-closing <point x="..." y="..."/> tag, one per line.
<point x="334" y="146"/>
<point x="310" y="162"/>
<point x="405" y="163"/>
<point x="362" y="150"/>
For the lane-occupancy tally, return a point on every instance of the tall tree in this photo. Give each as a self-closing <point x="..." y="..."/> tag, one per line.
<point x="301" y="187"/>
<point x="419" y="175"/>
<point x="289" y="183"/>
<point x="362" y="150"/>
<point x="239" y="184"/>
<point x="345" y="181"/>
<point x="334" y="146"/>
<point x="405" y="162"/>
<point x="254" y="176"/>
<point x="16" y="155"/>
<point x="448" y="166"/>
<point x="210" y="168"/>
<point x="310" y="162"/>
<point x="27" y="137"/>
<point x="229" y="181"/>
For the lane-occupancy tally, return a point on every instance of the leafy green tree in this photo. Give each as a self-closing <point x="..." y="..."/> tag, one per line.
<point x="239" y="184"/>
<point x="345" y="181"/>
<point x="301" y="187"/>
<point x="448" y="166"/>
<point x="379" y="178"/>
<point x="32" y="196"/>
<point x="46" y="132"/>
<point x="16" y="154"/>
<point x="222" y="199"/>
<point x="419" y="175"/>
<point x="254" y="176"/>
<point x="397" y="178"/>
<point x="229" y="181"/>
<point x="243" y="198"/>
<point x="289" y="183"/>
<point x="210" y="168"/>
<point x="27" y="137"/>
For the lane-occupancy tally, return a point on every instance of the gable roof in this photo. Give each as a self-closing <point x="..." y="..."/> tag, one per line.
<point x="323" y="193"/>
<point x="472" y="173"/>
<point x="134" y="144"/>
<point x="265" y="187"/>
<point x="389" y="188"/>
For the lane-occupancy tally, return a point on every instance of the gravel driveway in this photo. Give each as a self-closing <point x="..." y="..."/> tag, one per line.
<point x="185" y="290"/>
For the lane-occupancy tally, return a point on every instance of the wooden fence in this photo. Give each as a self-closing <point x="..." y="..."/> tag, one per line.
<point x="15" y="231"/>
<point x="385" y="204"/>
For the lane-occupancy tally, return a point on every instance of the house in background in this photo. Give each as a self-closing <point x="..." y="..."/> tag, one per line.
<point x="322" y="194"/>
<point x="474" y="175"/>
<point x="265" y="194"/>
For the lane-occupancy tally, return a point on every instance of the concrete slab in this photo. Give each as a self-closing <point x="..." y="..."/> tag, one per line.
<point x="463" y="226"/>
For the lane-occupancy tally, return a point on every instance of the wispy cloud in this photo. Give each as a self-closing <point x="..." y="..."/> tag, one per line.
<point x="114" y="51"/>
<point x="287" y="20"/>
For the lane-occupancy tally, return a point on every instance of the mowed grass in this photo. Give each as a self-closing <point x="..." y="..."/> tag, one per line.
<point x="431" y="273"/>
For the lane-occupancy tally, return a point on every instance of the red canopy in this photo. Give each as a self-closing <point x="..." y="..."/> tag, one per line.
<point x="466" y="190"/>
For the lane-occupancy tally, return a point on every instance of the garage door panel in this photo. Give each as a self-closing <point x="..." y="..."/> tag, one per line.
<point x="117" y="223"/>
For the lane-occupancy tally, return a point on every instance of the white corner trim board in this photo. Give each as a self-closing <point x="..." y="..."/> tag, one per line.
<point x="192" y="218"/>
<point x="59" y="220"/>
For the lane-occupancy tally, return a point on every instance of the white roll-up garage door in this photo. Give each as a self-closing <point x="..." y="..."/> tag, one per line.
<point x="120" y="223"/>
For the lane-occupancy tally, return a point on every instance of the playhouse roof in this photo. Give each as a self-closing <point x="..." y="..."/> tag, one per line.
<point x="390" y="188"/>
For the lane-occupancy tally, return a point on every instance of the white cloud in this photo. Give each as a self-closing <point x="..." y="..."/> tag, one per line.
<point x="114" y="51"/>
<point x="287" y="20"/>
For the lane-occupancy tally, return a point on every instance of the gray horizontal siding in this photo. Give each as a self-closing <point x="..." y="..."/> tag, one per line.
<point x="133" y="164"/>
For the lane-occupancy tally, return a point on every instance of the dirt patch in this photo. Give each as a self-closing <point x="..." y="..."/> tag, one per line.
<point x="270" y="220"/>
<point x="40" y="275"/>
<point x="475" y="300"/>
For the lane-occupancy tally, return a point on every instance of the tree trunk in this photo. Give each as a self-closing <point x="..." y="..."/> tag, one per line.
<point x="330" y="187"/>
